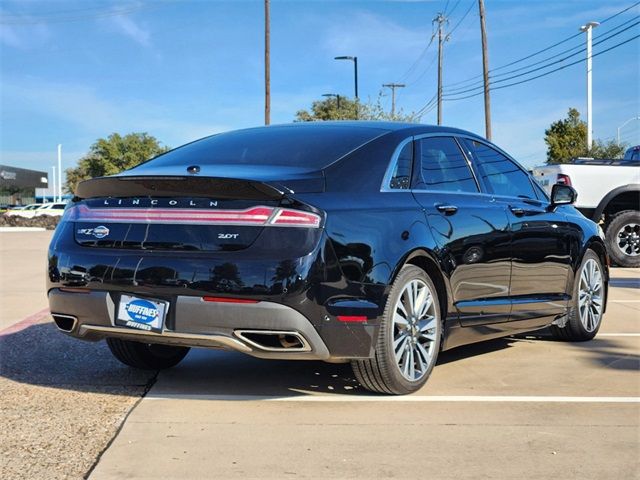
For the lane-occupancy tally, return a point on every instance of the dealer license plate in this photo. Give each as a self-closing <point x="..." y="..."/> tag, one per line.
<point x="141" y="313"/>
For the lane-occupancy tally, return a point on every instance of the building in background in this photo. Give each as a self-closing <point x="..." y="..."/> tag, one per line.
<point x="18" y="186"/>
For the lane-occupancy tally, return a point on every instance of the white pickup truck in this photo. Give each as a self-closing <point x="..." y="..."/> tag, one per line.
<point x="609" y="194"/>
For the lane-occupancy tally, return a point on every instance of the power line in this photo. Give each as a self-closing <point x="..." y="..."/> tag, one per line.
<point x="544" y="49"/>
<point x="546" y="73"/>
<point x="477" y="83"/>
<point x="417" y="61"/>
<point x="54" y="17"/>
<point x="453" y="9"/>
<point x="452" y="93"/>
<point x="471" y="5"/>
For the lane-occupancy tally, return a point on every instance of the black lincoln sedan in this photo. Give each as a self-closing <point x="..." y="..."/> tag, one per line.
<point x="379" y="244"/>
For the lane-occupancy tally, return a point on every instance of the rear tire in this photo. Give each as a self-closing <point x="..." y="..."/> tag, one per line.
<point x="585" y="313"/>
<point x="146" y="356"/>
<point x="408" y="339"/>
<point x="623" y="238"/>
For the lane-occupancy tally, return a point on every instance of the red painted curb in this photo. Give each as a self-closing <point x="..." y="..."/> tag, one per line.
<point x="25" y="323"/>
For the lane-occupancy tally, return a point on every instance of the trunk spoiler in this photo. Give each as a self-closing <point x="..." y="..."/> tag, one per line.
<point x="180" y="186"/>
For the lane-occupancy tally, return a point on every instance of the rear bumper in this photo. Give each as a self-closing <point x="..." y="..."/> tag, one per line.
<point x="194" y="323"/>
<point x="298" y="286"/>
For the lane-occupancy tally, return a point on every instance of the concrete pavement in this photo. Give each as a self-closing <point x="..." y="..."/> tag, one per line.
<point x="23" y="258"/>
<point x="525" y="407"/>
<point x="225" y="415"/>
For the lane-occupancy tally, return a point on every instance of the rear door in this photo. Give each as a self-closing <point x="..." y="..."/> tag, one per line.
<point x="471" y="230"/>
<point x="541" y="238"/>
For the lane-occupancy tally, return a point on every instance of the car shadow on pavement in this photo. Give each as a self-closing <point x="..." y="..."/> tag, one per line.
<point x="624" y="282"/>
<point x="606" y="352"/>
<point x="41" y="355"/>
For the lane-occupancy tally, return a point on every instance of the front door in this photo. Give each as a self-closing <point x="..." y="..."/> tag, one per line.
<point x="471" y="230"/>
<point x="541" y="238"/>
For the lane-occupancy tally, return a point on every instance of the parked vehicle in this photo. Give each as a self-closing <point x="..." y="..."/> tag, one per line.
<point x="632" y="154"/>
<point x="27" y="211"/>
<point x="51" y="209"/>
<point x="379" y="244"/>
<point x="608" y="193"/>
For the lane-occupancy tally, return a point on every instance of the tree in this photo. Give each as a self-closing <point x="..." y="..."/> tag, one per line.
<point x="111" y="155"/>
<point x="609" y="149"/>
<point x="567" y="139"/>
<point x="327" y="109"/>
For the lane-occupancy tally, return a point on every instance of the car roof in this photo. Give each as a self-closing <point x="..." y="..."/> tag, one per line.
<point x="415" y="128"/>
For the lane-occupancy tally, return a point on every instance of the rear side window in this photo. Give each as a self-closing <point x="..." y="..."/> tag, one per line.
<point x="58" y="207"/>
<point x="441" y="166"/>
<point x="401" y="173"/>
<point x="307" y="146"/>
<point x="500" y="174"/>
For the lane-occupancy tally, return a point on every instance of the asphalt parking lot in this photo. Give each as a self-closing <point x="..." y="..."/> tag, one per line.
<point x="524" y="407"/>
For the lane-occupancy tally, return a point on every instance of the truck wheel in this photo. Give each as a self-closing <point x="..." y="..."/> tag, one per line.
<point x="587" y="304"/>
<point x="146" y="356"/>
<point x="623" y="238"/>
<point x="408" y="339"/>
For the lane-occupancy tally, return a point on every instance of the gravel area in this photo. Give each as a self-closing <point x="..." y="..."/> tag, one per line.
<point x="43" y="221"/>
<point x="61" y="402"/>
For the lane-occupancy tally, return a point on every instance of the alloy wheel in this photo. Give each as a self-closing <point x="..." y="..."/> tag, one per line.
<point x="415" y="330"/>
<point x="590" y="295"/>
<point x="628" y="239"/>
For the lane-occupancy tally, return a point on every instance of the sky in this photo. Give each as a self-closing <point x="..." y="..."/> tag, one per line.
<point x="75" y="71"/>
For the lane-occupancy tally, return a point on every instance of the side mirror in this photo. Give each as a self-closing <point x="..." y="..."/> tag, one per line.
<point x="563" y="195"/>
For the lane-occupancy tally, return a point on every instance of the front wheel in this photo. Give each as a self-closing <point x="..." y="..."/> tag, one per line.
<point x="147" y="356"/>
<point x="409" y="337"/>
<point x="623" y="238"/>
<point x="585" y="314"/>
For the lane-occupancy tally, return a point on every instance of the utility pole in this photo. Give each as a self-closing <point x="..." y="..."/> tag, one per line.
<point x="485" y="72"/>
<point x="441" y="19"/>
<point x="393" y="87"/>
<point x="588" y="28"/>
<point x="267" y="63"/>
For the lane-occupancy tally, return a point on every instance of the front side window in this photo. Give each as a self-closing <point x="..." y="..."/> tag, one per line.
<point x="401" y="174"/>
<point x="500" y="174"/>
<point x="441" y="166"/>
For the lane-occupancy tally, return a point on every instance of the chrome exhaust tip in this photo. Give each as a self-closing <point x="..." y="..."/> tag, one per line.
<point x="65" y="323"/>
<point x="274" y="340"/>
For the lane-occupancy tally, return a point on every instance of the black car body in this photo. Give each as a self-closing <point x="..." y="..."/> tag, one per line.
<point x="285" y="242"/>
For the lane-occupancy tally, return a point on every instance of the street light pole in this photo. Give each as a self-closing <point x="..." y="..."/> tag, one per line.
<point x="59" y="172"/>
<point x="333" y="95"/>
<point x="53" y="199"/>
<point x="622" y="126"/>
<point x="588" y="28"/>
<point x="355" y="70"/>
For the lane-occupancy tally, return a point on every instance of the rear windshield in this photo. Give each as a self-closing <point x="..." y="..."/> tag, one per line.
<point x="294" y="146"/>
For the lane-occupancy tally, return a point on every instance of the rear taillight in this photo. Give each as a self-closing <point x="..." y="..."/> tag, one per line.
<point x="257" y="216"/>
<point x="563" y="179"/>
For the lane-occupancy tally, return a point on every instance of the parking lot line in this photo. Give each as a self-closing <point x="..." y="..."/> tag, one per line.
<point x="400" y="398"/>
<point x="618" y="335"/>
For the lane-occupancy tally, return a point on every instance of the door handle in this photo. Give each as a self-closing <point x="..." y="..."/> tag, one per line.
<point x="517" y="211"/>
<point x="447" y="209"/>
